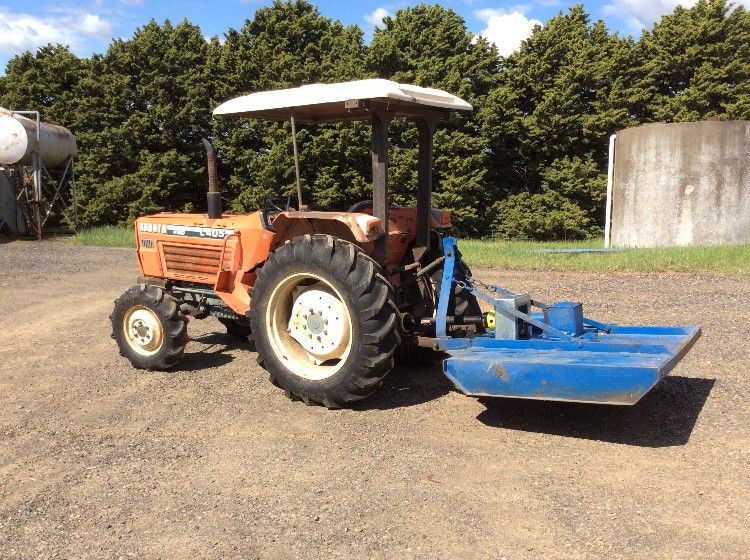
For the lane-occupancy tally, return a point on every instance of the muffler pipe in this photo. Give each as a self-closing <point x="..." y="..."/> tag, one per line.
<point x="213" y="197"/>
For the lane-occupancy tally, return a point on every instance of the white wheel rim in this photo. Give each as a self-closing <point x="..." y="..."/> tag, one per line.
<point x="309" y="326"/>
<point x="143" y="330"/>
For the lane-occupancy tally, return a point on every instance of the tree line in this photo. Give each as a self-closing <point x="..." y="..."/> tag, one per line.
<point x="528" y="162"/>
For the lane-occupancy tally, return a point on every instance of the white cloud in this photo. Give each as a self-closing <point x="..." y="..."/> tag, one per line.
<point x="94" y="26"/>
<point x="506" y="28"/>
<point x="375" y="18"/>
<point x="643" y="13"/>
<point x="21" y="32"/>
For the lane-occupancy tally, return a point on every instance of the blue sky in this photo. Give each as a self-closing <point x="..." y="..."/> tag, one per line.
<point x="88" y="26"/>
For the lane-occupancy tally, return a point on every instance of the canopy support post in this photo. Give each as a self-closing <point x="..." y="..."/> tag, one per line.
<point x="380" y="122"/>
<point x="426" y="126"/>
<point x="296" y="162"/>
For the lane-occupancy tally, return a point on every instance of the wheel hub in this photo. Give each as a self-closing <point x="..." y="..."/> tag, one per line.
<point x="143" y="330"/>
<point x="320" y="324"/>
<point x="315" y="323"/>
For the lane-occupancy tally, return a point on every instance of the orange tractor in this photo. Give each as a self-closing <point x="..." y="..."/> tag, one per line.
<point x="323" y="294"/>
<point x="329" y="298"/>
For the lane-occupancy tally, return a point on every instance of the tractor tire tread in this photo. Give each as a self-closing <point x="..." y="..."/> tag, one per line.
<point x="174" y="326"/>
<point x="373" y="310"/>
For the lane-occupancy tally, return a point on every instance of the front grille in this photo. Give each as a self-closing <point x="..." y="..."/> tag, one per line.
<point x="194" y="261"/>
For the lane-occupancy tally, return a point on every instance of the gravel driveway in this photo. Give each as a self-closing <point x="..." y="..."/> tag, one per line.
<point x="98" y="460"/>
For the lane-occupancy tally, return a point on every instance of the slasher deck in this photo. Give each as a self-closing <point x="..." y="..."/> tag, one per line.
<point x="615" y="368"/>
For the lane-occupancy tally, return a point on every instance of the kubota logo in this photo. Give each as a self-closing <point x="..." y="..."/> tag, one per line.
<point x="185" y="231"/>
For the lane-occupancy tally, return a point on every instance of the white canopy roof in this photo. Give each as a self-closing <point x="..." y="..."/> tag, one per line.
<point x="343" y="101"/>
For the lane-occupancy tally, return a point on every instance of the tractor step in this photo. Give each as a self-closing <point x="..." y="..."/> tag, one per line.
<point x="618" y="367"/>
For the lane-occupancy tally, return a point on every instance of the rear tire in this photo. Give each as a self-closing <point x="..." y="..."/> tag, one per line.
<point x="324" y="321"/>
<point x="149" y="328"/>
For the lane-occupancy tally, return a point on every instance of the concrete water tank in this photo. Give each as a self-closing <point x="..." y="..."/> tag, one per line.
<point x="682" y="184"/>
<point x="18" y="141"/>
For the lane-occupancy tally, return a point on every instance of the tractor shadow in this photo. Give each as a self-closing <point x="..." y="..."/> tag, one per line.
<point x="210" y="350"/>
<point x="665" y="417"/>
<point x="408" y="386"/>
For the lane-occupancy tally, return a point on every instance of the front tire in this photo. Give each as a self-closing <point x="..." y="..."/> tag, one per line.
<point x="324" y="321"/>
<point x="149" y="328"/>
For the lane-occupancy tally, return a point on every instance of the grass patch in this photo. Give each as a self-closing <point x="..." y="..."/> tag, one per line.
<point x="725" y="259"/>
<point x="107" y="236"/>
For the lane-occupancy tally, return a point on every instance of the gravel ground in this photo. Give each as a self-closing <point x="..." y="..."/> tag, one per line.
<point x="98" y="460"/>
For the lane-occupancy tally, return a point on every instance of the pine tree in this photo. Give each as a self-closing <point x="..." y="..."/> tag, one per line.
<point x="697" y="63"/>
<point x="146" y="105"/>
<point x="528" y="162"/>
<point x="560" y="96"/>
<point x="44" y="81"/>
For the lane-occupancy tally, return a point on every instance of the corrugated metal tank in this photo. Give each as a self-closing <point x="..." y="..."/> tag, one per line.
<point x="18" y="141"/>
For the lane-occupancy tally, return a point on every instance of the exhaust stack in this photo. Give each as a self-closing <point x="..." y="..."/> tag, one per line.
<point x="213" y="197"/>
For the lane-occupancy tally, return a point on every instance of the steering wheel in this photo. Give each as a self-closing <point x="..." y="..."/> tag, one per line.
<point x="363" y="207"/>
